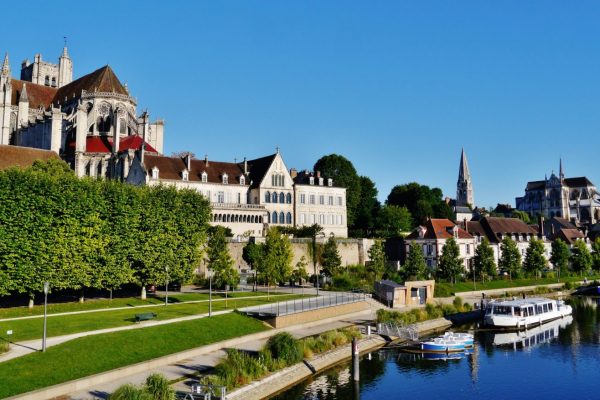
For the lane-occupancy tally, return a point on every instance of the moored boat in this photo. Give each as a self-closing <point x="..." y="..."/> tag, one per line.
<point x="524" y="313"/>
<point x="466" y="338"/>
<point x="442" y="345"/>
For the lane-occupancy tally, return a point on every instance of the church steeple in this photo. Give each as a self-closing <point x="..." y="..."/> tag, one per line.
<point x="560" y="170"/>
<point x="464" y="186"/>
<point x="6" y="66"/>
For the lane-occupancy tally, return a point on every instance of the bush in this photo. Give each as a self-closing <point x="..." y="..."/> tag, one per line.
<point x="130" y="392"/>
<point x="568" y="285"/>
<point x="457" y="303"/>
<point x="3" y="346"/>
<point x="158" y="387"/>
<point x="284" y="347"/>
<point x="239" y="368"/>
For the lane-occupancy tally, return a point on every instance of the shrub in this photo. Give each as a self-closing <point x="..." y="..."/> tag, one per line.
<point x="3" y="346"/>
<point x="568" y="285"/>
<point x="457" y="303"/>
<point x="284" y="347"/>
<point x="130" y="392"/>
<point x="239" y="368"/>
<point x="158" y="387"/>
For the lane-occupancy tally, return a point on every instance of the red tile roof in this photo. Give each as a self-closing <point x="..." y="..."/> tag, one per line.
<point x="103" y="144"/>
<point x="16" y="156"/>
<point x="570" y="235"/>
<point x="440" y="229"/>
<point x="172" y="167"/>
<point x="38" y="95"/>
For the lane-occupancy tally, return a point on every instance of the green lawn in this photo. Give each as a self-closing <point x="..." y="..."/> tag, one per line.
<point x="95" y="304"/>
<point x="93" y="354"/>
<point x="443" y="289"/>
<point x="27" y="329"/>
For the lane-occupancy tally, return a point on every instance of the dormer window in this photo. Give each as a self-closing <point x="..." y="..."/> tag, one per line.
<point x="225" y="179"/>
<point x="155" y="173"/>
<point x="311" y="180"/>
<point x="242" y="180"/>
<point x="204" y="177"/>
<point x="185" y="175"/>
<point x="455" y="231"/>
<point x="329" y="182"/>
<point x="320" y="181"/>
<point x="422" y="231"/>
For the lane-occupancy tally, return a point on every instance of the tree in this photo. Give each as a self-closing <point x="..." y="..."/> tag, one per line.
<point x="331" y="261"/>
<point x="535" y="261"/>
<point x="596" y="254"/>
<point x="220" y="261"/>
<point x="415" y="267"/>
<point x="483" y="261"/>
<point x="581" y="259"/>
<point x="377" y="260"/>
<point x="343" y="174"/>
<point x="277" y="265"/>
<point x="450" y="264"/>
<point x="393" y="220"/>
<point x="559" y="257"/>
<point x="367" y="209"/>
<point x="299" y="274"/>
<point x="522" y="215"/>
<point x="510" y="259"/>
<point x="421" y="201"/>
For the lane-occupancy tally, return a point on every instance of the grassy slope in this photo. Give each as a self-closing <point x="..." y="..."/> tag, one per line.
<point x="447" y="289"/>
<point x="62" y="325"/>
<point x="94" y="354"/>
<point x="96" y="304"/>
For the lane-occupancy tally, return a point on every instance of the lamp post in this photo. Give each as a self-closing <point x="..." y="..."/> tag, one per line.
<point x="209" y="292"/>
<point x="314" y="251"/>
<point x="46" y="290"/>
<point x="166" y="285"/>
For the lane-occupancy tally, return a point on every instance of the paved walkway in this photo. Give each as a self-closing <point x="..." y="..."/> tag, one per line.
<point x="185" y="370"/>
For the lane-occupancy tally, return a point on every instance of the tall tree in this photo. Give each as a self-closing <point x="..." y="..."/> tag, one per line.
<point x="277" y="265"/>
<point x="299" y="274"/>
<point x="253" y="254"/>
<point x="367" y="209"/>
<point x="510" y="259"/>
<point x="535" y="260"/>
<point x="483" y="261"/>
<point x="377" y="260"/>
<point x="331" y="261"/>
<point x="220" y="261"/>
<point x="559" y="257"/>
<point x="581" y="258"/>
<point x="421" y="201"/>
<point x="450" y="264"/>
<point x="415" y="267"/>
<point x="596" y="254"/>
<point x="344" y="174"/>
<point x="393" y="220"/>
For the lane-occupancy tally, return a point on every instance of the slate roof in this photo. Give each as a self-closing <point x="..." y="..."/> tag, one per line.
<point x="579" y="181"/>
<point x="258" y="168"/>
<point x="494" y="227"/>
<point x="439" y="229"/>
<point x="303" y="178"/>
<point x="171" y="168"/>
<point x="23" y="157"/>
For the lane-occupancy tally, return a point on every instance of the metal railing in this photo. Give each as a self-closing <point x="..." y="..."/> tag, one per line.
<point x="401" y="331"/>
<point x="306" y="304"/>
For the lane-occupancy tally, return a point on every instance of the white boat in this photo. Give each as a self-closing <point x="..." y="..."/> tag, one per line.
<point x="466" y="338"/>
<point x="442" y="345"/>
<point x="524" y="313"/>
<point x="529" y="338"/>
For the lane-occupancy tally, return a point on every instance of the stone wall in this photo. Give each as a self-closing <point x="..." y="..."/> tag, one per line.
<point x="317" y="315"/>
<point x="352" y="251"/>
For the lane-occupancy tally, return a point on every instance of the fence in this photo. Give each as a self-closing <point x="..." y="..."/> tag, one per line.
<point x="304" y="304"/>
<point x="391" y="329"/>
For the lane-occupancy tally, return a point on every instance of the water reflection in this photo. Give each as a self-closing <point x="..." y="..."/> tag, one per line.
<point x="556" y="359"/>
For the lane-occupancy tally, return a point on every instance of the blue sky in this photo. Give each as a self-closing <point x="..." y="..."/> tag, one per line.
<point x="396" y="87"/>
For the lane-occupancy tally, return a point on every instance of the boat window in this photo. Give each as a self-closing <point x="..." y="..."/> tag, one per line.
<point x="504" y="310"/>
<point x="550" y="307"/>
<point x="525" y="312"/>
<point x="545" y="307"/>
<point x="517" y="310"/>
<point x="538" y="309"/>
<point x="531" y="310"/>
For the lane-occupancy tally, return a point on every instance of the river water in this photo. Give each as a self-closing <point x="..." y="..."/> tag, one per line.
<point x="559" y="360"/>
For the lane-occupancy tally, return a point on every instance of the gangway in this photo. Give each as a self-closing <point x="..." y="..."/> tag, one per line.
<point x="400" y="331"/>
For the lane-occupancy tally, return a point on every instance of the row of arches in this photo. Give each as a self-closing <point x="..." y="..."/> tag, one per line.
<point x="278" y="198"/>
<point x="236" y="218"/>
<point x="280" y="218"/>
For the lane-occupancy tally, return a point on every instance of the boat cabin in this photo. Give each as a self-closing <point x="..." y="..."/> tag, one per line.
<point x="521" y="308"/>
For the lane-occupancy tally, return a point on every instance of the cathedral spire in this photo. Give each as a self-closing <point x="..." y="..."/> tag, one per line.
<point x="560" y="169"/>
<point x="464" y="186"/>
<point x="6" y="65"/>
<point x="23" y="97"/>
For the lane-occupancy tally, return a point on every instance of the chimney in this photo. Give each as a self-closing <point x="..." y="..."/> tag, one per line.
<point x="245" y="166"/>
<point x="465" y="225"/>
<point x="206" y="159"/>
<point x="293" y="173"/>
<point x="188" y="161"/>
<point x="541" y="226"/>
<point x="318" y="174"/>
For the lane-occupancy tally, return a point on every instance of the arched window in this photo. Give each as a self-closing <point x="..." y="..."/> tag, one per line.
<point x="104" y="123"/>
<point x="204" y="177"/>
<point x="281" y="218"/>
<point x="47" y="81"/>
<point x="242" y="180"/>
<point x="281" y="198"/>
<point x="274" y="217"/>
<point x="288" y="198"/>
<point x="288" y="218"/>
<point x="268" y="197"/>
<point x="122" y="126"/>
<point x="53" y="82"/>
<point x="274" y="197"/>
<point x="225" y="179"/>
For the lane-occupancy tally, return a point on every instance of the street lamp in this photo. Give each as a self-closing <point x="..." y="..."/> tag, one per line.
<point x="209" y="292"/>
<point x="46" y="290"/>
<point x="314" y="251"/>
<point x="166" y="285"/>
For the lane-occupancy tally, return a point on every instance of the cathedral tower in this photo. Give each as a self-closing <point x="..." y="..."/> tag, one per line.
<point x="464" y="186"/>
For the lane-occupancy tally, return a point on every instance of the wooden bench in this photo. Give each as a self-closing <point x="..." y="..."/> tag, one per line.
<point x="144" y="317"/>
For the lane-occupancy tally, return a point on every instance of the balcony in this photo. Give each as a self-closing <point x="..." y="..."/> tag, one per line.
<point x="237" y="206"/>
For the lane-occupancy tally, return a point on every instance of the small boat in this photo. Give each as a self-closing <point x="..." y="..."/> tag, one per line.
<point x="465" y="338"/>
<point x="591" y="290"/>
<point x="524" y="313"/>
<point x="442" y="345"/>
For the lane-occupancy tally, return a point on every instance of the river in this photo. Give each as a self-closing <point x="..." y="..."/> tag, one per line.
<point x="559" y="360"/>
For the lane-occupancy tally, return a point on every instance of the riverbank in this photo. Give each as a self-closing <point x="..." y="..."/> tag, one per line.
<point x="290" y="376"/>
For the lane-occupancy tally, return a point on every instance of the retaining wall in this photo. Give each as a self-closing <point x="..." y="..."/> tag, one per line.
<point x="317" y="315"/>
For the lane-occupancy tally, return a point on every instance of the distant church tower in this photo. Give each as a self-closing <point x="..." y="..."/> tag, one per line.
<point x="464" y="186"/>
